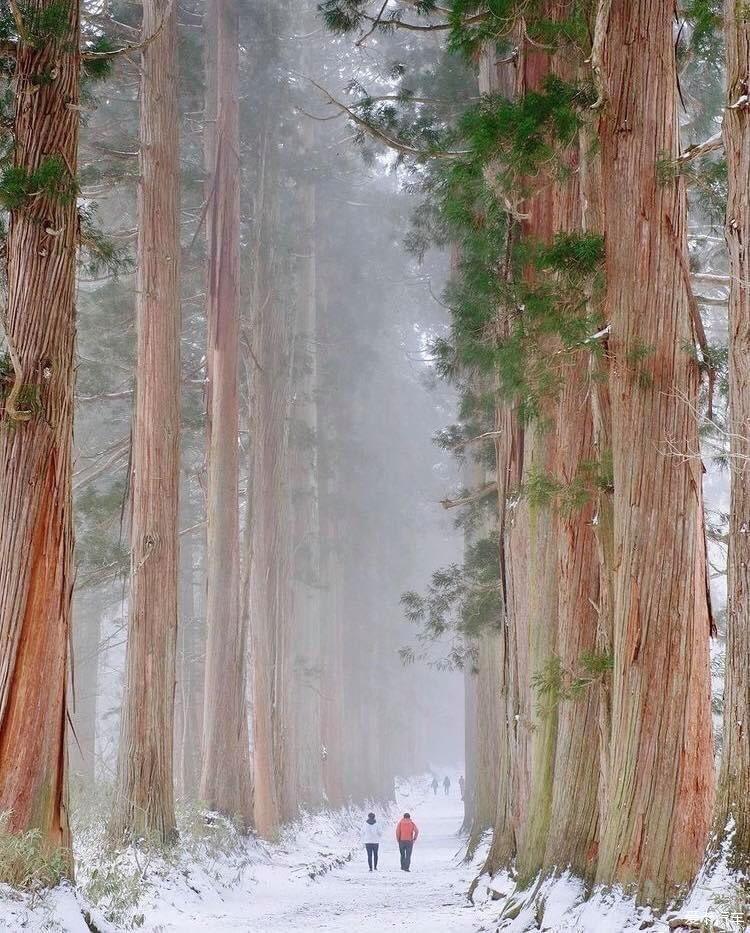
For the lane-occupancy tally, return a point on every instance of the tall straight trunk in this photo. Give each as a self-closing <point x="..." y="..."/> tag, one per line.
<point x="332" y="655"/>
<point x="306" y="585"/>
<point x="574" y="812"/>
<point x="654" y="831"/>
<point x="144" y="803"/>
<point x="533" y="578"/>
<point x="36" y="559"/>
<point x="488" y="693"/>
<point x="225" y="779"/>
<point x="270" y="572"/>
<point x="496" y="78"/>
<point x="575" y="802"/>
<point x="733" y="799"/>
<point x="189" y="691"/>
<point x="592" y="220"/>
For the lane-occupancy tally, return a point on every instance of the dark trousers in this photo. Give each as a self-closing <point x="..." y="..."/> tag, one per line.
<point x="405" y="850"/>
<point x="372" y="854"/>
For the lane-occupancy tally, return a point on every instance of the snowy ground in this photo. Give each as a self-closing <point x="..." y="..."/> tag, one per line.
<point x="315" y="879"/>
<point x="431" y="899"/>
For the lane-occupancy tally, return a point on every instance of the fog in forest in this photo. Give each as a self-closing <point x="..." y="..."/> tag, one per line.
<point x="356" y="478"/>
<point x="374" y="422"/>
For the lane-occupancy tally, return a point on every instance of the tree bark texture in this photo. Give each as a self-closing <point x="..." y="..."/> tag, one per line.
<point x="659" y="801"/>
<point x="271" y="555"/>
<point x="226" y="776"/>
<point x="36" y="560"/>
<point x="533" y="572"/>
<point x="733" y="799"/>
<point x="572" y="840"/>
<point x="144" y="804"/>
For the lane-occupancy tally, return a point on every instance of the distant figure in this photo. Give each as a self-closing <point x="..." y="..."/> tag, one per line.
<point x="462" y="786"/>
<point x="435" y="786"/>
<point x="406" y="836"/>
<point x="371" y="836"/>
<point x="447" y="785"/>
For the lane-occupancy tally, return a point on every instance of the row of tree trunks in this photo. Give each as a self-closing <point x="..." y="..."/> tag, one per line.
<point x="144" y="804"/>
<point x="226" y="777"/>
<point x="653" y="831"/>
<point x="36" y="557"/>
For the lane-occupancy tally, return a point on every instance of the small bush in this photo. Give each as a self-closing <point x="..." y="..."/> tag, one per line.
<point x="26" y="862"/>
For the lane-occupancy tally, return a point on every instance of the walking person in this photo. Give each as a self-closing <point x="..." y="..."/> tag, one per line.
<point x="371" y="836"/>
<point x="447" y="785"/>
<point x="406" y="836"/>
<point x="462" y="786"/>
<point x="435" y="786"/>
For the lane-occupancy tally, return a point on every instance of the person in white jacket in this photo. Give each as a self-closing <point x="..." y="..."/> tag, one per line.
<point x="371" y="835"/>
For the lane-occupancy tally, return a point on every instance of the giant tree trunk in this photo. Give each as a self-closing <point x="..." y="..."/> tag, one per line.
<point x="733" y="803"/>
<point x="225" y="780"/>
<point x="575" y="803"/>
<point x="144" y="804"/>
<point x="531" y="551"/>
<point x="36" y="559"/>
<point x="654" y="830"/>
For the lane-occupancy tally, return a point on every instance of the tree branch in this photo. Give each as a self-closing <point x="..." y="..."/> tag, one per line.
<point x="712" y="144"/>
<point x="134" y="47"/>
<point x="18" y="20"/>
<point x="479" y="494"/>
<point x="383" y="137"/>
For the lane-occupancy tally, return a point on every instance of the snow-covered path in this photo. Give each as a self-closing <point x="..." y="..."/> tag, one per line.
<point x="430" y="899"/>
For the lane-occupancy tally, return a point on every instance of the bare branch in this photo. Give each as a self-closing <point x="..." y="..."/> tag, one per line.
<point x="133" y="47"/>
<point x="460" y="445"/>
<point x="479" y="494"/>
<point x="18" y="20"/>
<point x="712" y="144"/>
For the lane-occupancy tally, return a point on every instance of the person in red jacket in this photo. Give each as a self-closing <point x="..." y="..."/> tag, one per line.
<point x="406" y="836"/>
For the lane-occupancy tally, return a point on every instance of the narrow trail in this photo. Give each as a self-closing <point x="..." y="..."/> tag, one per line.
<point x="430" y="899"/>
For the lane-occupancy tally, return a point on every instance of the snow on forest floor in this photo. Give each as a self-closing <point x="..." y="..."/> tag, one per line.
<point x="315" y="879"/>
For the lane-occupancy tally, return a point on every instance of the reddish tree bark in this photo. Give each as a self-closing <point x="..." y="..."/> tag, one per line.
<point x="36" y="559"/>
<point x="659" y="798"/>
<point x="144" y="803"/>
<point x="733" y="802"/>
<point x="226" y="778"/>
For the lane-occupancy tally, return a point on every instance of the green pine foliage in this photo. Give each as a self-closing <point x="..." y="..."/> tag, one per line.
<point x="52" y="178"/>
<point x="98" y="68"/>
<point x="554" y="683"/>
<point x="462" y="601"/>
